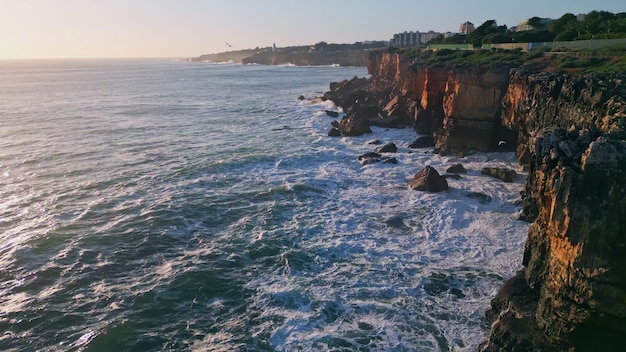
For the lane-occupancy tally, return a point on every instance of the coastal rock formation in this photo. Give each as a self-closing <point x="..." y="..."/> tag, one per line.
<point x="572" y="292"/>
<point x="460" y="107"/>
<point x="571" y="295"/>
<point x="537" y="100"/>
<point x="570" y="134"/>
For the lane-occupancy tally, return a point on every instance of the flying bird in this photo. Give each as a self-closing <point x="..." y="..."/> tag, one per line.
<point x="230" y="46"/>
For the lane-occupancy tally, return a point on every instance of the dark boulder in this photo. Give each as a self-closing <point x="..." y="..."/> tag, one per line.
<point x="369" y="158"/>
<point x="422" y="142"/>
<point x="387" y="148"/>
<point x="331" y="113"/>
<point x="334" y="133"/>
<point x="374" y="142"/>
<point x="388" y="160"/>
<point x="506" y="175"/>
<point x="428" y="180"/>
<point x="353" y="126"/>
<point x="367" y="161"/>
<point x="457" y="169"/>
<point x="369" y="155"/>
<point x="335" y="124"/>
<point x="301" y="97"/>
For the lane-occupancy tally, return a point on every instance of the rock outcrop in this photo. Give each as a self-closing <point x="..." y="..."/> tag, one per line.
<point x="460" y="107"/>
<point x="571" y="295"/>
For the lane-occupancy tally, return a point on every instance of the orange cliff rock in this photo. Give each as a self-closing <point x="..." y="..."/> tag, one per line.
<point x="571" y="295"/>
<point x="461" y="106"/>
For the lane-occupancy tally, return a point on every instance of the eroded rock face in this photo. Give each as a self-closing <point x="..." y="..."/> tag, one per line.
<point x="572" y="293"/>
<point x="472" y="108"/>
<point x="595" y="102"/>
<point x="460" y="107"/>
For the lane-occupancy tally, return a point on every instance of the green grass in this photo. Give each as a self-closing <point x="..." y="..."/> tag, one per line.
<point x="599" y="60"/>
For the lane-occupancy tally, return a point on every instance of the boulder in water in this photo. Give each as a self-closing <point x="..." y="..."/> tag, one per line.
<point x="428" y="180"/>
<point x="387" y="148"/>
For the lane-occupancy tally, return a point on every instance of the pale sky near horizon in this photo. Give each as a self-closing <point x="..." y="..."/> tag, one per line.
<point x="189" y="28"/>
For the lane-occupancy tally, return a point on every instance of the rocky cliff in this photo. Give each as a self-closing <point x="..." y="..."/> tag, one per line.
<point x="460" y="106"/>
<point x="571" y="295"/>
<point x="569" y="132"/>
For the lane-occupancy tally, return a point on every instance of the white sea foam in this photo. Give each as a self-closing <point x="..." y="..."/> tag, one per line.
<point x="416" y="269"/>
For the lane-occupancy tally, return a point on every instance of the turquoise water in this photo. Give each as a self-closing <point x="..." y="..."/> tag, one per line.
<point x="149" y="205"/>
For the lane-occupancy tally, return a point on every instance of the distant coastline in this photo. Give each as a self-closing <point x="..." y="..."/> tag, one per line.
<point x="310" y="55"/>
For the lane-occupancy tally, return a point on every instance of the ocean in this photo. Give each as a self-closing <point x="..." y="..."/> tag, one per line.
<point x="161" y="205"/>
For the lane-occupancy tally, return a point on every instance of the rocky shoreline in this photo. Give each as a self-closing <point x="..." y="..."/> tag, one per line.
<point x="569" y="132"/>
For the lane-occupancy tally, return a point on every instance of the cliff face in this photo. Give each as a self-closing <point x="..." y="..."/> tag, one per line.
<point x="572" y="292"/>
<point x="461" y="106"/>
<point x="570" y="133"/>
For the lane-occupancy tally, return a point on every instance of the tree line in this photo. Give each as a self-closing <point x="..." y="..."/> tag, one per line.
<point x="595" y="25"/>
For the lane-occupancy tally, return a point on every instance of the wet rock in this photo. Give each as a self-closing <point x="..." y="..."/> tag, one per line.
<point x="368" y="161"/>
<point x="369" y="155"/>
<point x="353" y="126"/>
<point x="457" y="169"/>
<point x="369" y="158"/>
<point x="333" y="132"/>
<point x="422" y="142"/>
<point x="373" y="142"/>
<point x="387" y="148"/>
<point x="335" y="124"/>
<point x="481" y="197"/>
<point x="388" y="160"/>
<point x="301" y="97"/>
<point x="504" y="174"/>
<point x="429" y="180"/>
<point x="332" y="113"/>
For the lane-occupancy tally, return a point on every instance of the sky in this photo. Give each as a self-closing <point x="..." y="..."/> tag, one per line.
<point x="189" y="28"/>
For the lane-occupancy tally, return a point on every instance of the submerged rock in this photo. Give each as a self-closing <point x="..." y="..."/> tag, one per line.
<point x="481" y="197"/>
<point x="333" y="132"/>
<point x="388" y="160"/>
<point x="506" y="175"/>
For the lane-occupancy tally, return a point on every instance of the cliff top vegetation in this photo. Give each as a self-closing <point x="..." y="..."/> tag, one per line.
<point x="595" y="25"/>
<point x="605" y="59"/>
